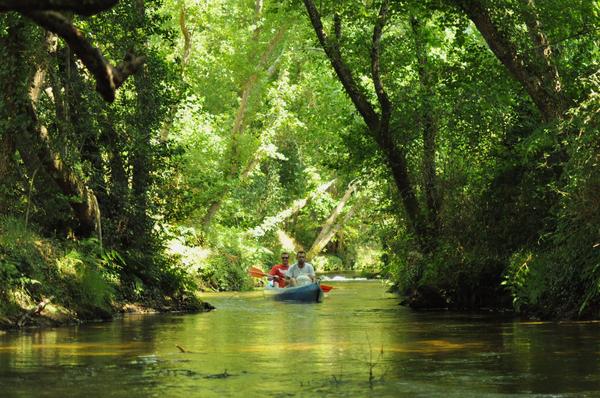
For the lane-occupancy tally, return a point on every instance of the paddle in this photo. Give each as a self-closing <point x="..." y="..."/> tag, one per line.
<point x="326" y="288"/>
<point x="258" y="273"/>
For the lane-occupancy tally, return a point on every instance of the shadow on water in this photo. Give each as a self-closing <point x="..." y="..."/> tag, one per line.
<point x="358" y="342"/>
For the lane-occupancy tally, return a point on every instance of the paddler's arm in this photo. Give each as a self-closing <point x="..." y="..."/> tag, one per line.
<point x="288" y="277"/>
<point x="311" y="274"/>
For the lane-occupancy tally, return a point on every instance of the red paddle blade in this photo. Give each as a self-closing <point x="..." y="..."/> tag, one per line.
<point x="326" y="288"/>
<point x="256" y="274"/>
<point x="256" y="270"/>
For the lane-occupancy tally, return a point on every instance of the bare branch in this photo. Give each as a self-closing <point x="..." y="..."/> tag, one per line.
<point x="81" y="7"/>
<point x="108" y="77"/>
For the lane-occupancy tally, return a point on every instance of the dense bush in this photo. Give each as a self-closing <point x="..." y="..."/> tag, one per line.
<point x="224" y="261"/>
<point x="82" y="279"/>
<point x="560" y="276"/>
<point x="73" y="275"/>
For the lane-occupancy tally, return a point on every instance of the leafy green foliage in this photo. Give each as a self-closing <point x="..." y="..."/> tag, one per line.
<point x="85" y="285"/>
<point x="226" y="268"/>
<point x="327" y="263"/>
<point x="74" y="276"/>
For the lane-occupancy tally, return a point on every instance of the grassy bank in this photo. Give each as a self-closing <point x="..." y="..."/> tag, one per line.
<point x="49" y="282"/>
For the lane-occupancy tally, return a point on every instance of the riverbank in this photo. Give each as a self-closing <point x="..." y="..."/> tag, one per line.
<point x="46" y="314"/>
<point x="51" y="282"/>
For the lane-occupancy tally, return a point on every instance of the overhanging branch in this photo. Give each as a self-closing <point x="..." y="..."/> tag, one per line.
<point x="81" y="7"/>
<point x="108" y="77"/>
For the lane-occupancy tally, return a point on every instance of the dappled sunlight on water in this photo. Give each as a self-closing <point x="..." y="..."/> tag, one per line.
<point x="77" y="349"/>
<point x="432" y="346"/>
<point x="425" y="346"/>
<point x="358" y="342"/>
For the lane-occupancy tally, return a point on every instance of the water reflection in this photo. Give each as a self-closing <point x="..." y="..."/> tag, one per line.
<point x="359" y="342"/>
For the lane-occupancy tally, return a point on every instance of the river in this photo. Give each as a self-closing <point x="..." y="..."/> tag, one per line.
<point x="358" y="342"/>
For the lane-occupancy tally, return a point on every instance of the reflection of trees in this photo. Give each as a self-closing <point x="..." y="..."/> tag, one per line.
<point x="551" y="358"/>
<point x="269" y="341"/>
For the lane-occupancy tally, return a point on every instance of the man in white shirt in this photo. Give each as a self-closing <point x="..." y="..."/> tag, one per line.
<point x="301" y="271"/>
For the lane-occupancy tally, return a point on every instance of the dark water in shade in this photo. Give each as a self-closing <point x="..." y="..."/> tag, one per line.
<point x="272" y="349"/>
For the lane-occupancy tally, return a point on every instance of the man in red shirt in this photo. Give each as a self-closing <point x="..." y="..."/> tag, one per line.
<point x="278" y="271"/>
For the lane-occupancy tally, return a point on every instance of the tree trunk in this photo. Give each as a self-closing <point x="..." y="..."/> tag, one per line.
<point x="325" y="235"/>
<point x="119" y="189"/>
<point x="287" y="241"/>
<point x="543" y="64"/>
<point x="9" y="46"/>
<point x="429" y="127"/>
<point x="185" y="57"/>
<point x="273" y="222"/>
<point x="212" y="211"/>
<point x="117" y="199"/>
<point x="142" y="158"/>
<point x="330" y="233"/>
<point x="7" y="150"/>
<point x="7" y="165"/>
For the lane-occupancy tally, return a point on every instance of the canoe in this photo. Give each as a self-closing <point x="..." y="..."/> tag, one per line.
<point x="310" y="293"/>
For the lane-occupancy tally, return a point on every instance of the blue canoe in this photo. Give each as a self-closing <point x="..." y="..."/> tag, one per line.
<point x="311" y="293"/>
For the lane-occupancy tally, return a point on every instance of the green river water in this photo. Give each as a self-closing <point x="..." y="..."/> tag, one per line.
<point x="359" y="342"/>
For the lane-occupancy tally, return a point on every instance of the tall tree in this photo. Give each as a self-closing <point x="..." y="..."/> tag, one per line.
<point x="234" y="168"/>
<point x="29" y="136"/>
<point x="31" y="140"/>
<point x="332" y="224"/>
<point x="378" y="122"/>
<point x="428" y="126"/>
